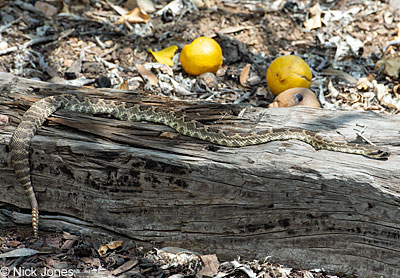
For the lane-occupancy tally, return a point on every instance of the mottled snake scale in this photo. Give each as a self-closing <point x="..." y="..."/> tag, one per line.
<point x="37" y="114"/>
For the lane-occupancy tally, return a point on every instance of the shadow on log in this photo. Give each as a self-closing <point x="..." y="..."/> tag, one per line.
<point x="305" y="208"/>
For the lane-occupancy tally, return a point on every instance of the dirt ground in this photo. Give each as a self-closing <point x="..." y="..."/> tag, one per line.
<point x="351" y="46"/>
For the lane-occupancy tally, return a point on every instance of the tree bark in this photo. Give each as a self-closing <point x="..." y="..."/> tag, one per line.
<point x="305" y="208"/>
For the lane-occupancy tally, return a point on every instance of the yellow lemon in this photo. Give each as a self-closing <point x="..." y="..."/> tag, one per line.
<point x="288" y="72"/>
<point x="202" y="55"/>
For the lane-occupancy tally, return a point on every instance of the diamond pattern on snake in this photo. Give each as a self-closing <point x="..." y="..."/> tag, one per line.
<point x="39" y="111"/>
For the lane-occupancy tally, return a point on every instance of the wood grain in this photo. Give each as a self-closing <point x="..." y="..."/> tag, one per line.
<point x="305" y="208"/>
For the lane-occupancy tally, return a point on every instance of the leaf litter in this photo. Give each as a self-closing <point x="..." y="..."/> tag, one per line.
<point x="352" y="47"/>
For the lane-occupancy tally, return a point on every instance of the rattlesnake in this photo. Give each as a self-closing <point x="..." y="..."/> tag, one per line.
<point x="39" y="111"/>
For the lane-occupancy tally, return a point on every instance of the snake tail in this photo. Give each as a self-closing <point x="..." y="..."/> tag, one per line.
<point x="42" y="109"/>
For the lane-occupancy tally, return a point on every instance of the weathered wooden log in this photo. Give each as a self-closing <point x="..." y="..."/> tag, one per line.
<point x="305" y="208"/>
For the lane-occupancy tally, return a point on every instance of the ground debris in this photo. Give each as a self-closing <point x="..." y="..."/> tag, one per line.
<point x="351" y="46"/>
<point x="49" y="256"/>
<point x="353" y="38"/>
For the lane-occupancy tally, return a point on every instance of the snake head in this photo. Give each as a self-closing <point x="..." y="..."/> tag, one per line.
<point x="379" y="153"/>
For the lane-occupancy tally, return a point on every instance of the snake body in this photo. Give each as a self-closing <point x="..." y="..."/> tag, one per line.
<point x="39" y="111"/>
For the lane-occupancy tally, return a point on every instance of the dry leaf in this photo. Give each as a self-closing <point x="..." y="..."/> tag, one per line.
<point x="65" y="8"/>
<point x="363" y="84"/>
<point x="306" y="274"/>
<point x="125" y="267"/>
<point x="165" y="55"/>
<point x="68" y="244"/>
<point x="315" y="21"/>
<point x="118" y="9"/>
<point x="380" y="90"/>
<point x="244" y="75"/>
<point x="86" y="260"/>
<point x="175" y="7"/>
<point x="3" y="45"/>
<point x="384" y="96"/>
<point x="134" y="16"/>
<point x="124" y="85"/>
<point x="102" y="250"/>
<point x="179" y="89"/>
<point x="356" y="45"/>
<point x="51" y="261"/>
<point x="199" y="3"/>
<point x="333" y="92"/>
<point x="208" y="79"/>
<point x="13" y="243"/>
<point x="147" y="75"/>
<point x="396" y="90"/>
<point x="277" y="5"/>
<point x="111" y="245"/>
<point x="114" y="244"/>
<point x="246" y="269"/>
<point x="390" y="66"/>
<point x="130" y="4"/>
<point x="146" y="5"/>
<point x="394" y="5"/>
<point x="388" y="17"/>
<point x="315" y="10"/>
<point x="21" y="252"/>
<point x="47" y="9"/>
<point x="210" y="265"/>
